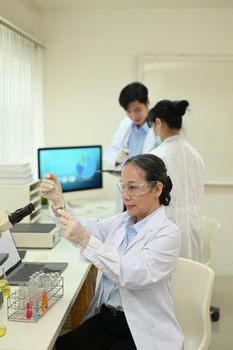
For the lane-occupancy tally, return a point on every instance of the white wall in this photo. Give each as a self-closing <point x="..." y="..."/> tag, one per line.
<point x="91" y="55"/>
<point x="198" y="79"/>
<point x="19" y="13"/>
<point x="218" y="204"/>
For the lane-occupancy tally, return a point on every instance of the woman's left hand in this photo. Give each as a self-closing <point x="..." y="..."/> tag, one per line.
<point x="73" y="229"/>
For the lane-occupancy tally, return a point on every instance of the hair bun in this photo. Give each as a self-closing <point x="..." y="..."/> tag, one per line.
<point x="168" y="185"/>
<point x="180" y="107"/>
<point x="165" y="195"/>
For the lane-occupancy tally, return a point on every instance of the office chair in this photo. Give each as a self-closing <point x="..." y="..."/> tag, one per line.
<point x="210" y="227"/>
<point x="191" y="287"/>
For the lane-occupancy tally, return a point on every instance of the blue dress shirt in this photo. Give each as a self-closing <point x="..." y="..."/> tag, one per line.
<point x="111" y="295"/>
<point x="137" y="138"/>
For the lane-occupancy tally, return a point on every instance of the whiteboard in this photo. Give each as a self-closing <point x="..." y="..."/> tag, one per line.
<point x="207" y="83"/>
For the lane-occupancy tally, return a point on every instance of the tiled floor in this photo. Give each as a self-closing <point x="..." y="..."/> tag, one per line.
<point x="222" y="331"/>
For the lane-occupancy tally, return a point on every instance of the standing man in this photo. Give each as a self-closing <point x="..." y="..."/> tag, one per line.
<point x="133" y="135"/>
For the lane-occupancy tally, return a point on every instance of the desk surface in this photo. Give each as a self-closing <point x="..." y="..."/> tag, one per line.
<point x="88" y="209"/>
<point x="42" y="335"/>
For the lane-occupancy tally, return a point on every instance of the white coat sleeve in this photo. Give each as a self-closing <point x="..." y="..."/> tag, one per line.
<point x="152" y="264"/>
<point x="119" y="141"/>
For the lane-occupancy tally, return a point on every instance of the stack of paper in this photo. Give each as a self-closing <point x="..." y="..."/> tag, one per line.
<point x="15" y="173"/>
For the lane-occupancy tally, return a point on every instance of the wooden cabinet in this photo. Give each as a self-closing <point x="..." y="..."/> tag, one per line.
<point x="83" y="301"/>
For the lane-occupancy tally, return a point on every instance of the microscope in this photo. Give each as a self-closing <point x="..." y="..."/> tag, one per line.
<point x="7" y="220"/>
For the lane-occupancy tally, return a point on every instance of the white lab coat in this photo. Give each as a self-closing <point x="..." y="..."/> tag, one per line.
<point x="121" y="138"/>
<point x="143" y="275"/>
<point x="186" y="170"/>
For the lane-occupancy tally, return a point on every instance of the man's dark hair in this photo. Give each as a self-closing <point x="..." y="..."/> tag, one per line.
<point x="133" y="92"/>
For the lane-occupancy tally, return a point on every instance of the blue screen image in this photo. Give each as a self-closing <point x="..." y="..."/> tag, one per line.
<point x="77" y="168"/>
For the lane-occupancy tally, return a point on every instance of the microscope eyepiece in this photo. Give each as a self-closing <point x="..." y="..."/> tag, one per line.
<point x="19" y="214"/>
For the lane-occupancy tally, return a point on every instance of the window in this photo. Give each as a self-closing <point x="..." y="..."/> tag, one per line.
<point x="21" y="97"/>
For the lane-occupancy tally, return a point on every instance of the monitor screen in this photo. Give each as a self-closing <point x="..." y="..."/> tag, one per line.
<point x="77" y="168"/>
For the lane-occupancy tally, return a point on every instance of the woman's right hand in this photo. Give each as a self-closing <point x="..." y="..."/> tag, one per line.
<point x="50" y="188"/>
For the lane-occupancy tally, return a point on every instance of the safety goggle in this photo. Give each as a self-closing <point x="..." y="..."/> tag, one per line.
<point x="134" y="188"/>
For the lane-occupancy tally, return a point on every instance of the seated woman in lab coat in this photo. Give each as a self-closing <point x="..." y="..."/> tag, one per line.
<point x="186" y="169"/>
<point x="135" y="253"/>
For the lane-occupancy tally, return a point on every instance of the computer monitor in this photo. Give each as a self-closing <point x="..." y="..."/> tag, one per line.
<point x="78" y="168"/>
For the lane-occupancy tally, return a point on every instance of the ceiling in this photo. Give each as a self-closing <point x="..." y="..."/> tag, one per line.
<point x="130" y="4"/>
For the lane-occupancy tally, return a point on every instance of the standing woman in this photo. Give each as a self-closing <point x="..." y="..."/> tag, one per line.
<point x="135" y="253"/>
<point x="185" y="167"/>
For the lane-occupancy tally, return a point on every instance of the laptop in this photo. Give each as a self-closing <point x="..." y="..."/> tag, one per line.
<point x="18" y="272"/>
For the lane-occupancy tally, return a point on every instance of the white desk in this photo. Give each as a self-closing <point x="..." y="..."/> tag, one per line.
<point x="79" y="282"/>
<point x="95" y="208"/>
<point x="85" y="208"/>
<point x="42" y="335"/>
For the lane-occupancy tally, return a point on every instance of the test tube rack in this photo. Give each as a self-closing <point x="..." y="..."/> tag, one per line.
<point x="17" y="302"/>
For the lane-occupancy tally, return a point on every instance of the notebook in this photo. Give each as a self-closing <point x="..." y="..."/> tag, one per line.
<point x="18" y="272"/>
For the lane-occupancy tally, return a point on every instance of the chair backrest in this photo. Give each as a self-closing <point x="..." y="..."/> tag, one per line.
<point x="192" y="286"/>
<point x="209" y="228"/>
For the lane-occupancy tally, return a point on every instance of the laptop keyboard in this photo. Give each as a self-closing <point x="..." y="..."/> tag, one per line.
<point x="26" y="271"/>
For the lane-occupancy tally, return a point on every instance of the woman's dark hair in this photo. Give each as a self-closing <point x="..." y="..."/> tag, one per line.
<point x="132" y="92"/>
<point x="155" y="170"/>
<point x="169" y="111"/>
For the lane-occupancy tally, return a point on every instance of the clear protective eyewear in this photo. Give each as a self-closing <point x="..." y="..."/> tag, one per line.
<point x="134" y="188"/>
